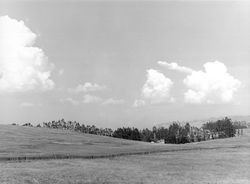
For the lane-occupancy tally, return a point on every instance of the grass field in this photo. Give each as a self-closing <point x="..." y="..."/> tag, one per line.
<point x="29" y="142"/>
<point x="217" y="161"/>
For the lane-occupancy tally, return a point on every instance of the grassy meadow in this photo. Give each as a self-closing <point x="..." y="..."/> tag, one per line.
<point x="215" y="161"/>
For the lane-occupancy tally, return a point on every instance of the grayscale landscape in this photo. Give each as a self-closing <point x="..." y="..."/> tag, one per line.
<point x="124" y="91"/>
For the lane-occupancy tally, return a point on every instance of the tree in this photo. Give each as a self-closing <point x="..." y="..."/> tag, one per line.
<point x="184" y="133"/>
<point x="224" y="128"/>
<point x="173" y="133"/>
<point x="147" y="135"/>
<point x="161" y="133"/>
<point x="127" y="133"/>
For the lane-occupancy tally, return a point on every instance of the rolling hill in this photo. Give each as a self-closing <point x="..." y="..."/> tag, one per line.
<point x="21" y="143"/>
<point x="215" y="161"/>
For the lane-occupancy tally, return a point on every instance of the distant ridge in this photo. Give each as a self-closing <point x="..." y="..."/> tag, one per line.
<point x="200" y="122"/>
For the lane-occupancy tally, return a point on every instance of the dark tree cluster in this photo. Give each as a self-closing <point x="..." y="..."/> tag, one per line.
<point x="178" y="134"/>
<point x="221" y="128"/>
<point x="174" y="134"/>
<point x="25" y="124"/>
<point x="127" y="133"/>
<point x="146" y="135"/>
<point x="76" y="126"/>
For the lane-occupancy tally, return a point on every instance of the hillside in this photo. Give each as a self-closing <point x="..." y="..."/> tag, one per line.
<point x="17" y="142"/>
<point x="217" y="161"/>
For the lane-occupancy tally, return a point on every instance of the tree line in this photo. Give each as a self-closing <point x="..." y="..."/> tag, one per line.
<point x="174" y="134"/>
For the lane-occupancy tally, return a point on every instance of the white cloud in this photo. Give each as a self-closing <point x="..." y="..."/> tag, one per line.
<point x="213" y="85"/>
<point x="175" y="66"/>
<point x="139" y="103"/>
<point x="157" y="87"/>
<point x="27" y="104"/>
<point x="69" y="100"/>
<point x="88" y="99"/>
<point x="91" y="99"/>
<point x="22" y="66"/>
<point x="111" y="101"/>
<point x="87" y="87"/>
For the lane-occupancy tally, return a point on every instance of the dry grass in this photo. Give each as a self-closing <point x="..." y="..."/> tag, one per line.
<point x="218" y="161"/>
<point x="42" y="143"/>
<point x="204" y="166"/>
<point x="16" y="141"/>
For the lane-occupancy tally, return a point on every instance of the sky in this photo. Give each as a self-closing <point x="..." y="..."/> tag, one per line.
<point x="123" y="63"/>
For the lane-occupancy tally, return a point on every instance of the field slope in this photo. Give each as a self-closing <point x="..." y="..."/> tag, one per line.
<point x="17" y="142"/>
<point x="218" y="161"/>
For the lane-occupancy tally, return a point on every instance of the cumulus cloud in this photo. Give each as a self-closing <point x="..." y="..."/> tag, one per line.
<point x="157" y="87"/>
<point x="69" y="100"/>
<point x="87" y="87"/>
<point x="139" y="103"/>
<point x="111" y="101"/>
<point x="23" y="67"/>
<point x="213" y="85"/>
<point x="175" y="66"/>
<point x="90" y="99"/>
